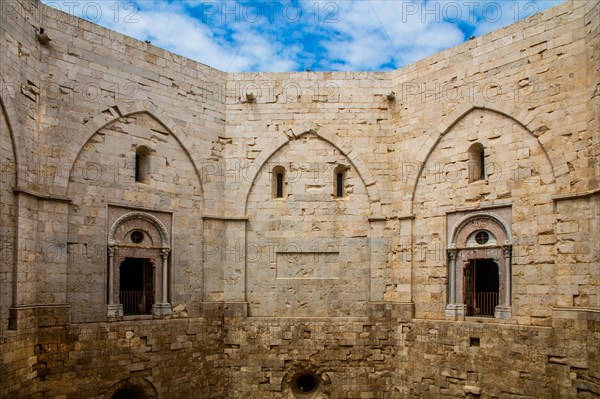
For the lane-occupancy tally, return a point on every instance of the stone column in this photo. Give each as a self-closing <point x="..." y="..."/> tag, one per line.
<point x="452" y="275"/>
<point x="506" y="251"/>
<point x="111" y="273"/>
<point x="163" y="307"/>
<point x="115" y="309"/>
<point x="504" y="311"/>
<point x="454" y="311"/>
<point x="165" y="258"/>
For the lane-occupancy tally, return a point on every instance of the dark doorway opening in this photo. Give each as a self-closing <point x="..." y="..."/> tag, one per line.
<point x="136" y="286"/>
<point x="482" y="287"/>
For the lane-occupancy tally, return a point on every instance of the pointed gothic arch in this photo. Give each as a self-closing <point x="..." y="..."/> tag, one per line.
<point x="7" y="106"/>
<point x="110" y="115"/>
<point x="551" y="146"/>
<point x="298" y="131"/>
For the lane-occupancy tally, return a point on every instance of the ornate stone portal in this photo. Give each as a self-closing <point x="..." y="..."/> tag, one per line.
<point x="138" y="235"/>
<point x="479" y="236"/>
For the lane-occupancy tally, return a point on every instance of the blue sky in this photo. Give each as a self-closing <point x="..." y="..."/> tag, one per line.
<point x="320" y="35"/>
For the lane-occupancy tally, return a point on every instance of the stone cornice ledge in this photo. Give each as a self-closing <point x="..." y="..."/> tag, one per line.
<point x="589" y="193"/>
<point x="45" y="196"/>
<point x="226" y="218"/>
<point x="41" y="306"/>
<point x="381" y="218"/>
<point x="377" y="218"/>
<point x="493" y="205"/>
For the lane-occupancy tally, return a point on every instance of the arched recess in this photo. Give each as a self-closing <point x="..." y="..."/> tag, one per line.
<point x="14" y="127"/>
<point x="319" y="246"/>
<point x="155" y="251"/>
<point x="442" y="191"/>
<point x="108" y="147"/>
<point x="551" y="146"/>
<point x="109" y="115"/>
<point x="10" y="135"/>
<point x="310" y="128"/>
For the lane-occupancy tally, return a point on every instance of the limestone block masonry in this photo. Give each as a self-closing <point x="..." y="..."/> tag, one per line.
<point x="168" y="230"/>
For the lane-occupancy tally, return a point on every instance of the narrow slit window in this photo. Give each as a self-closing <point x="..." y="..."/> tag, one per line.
<point x="339" y="181"/>
<point x="142" y="164"/>
<point x="481" y="165"/>
<point x="339" y="192"/>
<point x="279" y="185"/>
<point x="476" y="163"/>
<point x="278" y="182"/>
<point x="138" y="176"/>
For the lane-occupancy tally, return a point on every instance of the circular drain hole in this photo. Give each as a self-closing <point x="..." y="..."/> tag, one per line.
<point x="306" y="383"/>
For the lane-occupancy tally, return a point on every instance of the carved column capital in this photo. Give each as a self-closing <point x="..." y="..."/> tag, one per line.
<point x="452" y="252"/>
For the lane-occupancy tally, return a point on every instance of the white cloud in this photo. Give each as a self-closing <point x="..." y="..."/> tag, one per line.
<point x="378" y="33"/>
<point x="365" y="52"/>
<point x="440" y="36"/>
<point x="272" y="36"/>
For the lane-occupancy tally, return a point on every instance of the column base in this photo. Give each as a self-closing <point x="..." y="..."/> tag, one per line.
<point x="456" y="311"/>
<point x="161" y="309"/>
<point x="115" y="311"/>
<point x="503" y="312"/>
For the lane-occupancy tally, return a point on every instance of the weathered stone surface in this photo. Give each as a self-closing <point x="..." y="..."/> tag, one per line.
<point x="250" y="291"/>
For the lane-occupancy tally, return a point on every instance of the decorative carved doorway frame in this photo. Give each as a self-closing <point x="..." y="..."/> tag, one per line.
<point x="138" y="235"/>
<point x="463" y="248"/>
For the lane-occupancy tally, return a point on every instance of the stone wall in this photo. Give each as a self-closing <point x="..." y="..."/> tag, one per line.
<point x="100" y="176"/>
<point x="518" y="174"/>
<point x="7" y="217"/>
<point x="176" y="358"/>
<point x="325" y="271"/>
<point x="351" y="290"/>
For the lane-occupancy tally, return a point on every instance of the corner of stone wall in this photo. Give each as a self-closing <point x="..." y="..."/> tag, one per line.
<point x="576" y="352"/>
<point x="391" y="311"/>
<point x="224" y="309"/>
<point x="22" y="317"/>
